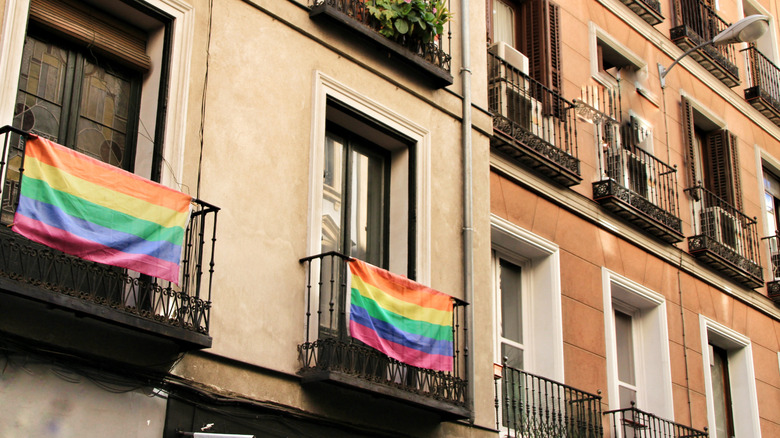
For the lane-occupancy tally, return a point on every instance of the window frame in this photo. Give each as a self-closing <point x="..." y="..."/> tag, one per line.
<point x="742" y="378"/>
<point x="498" y="255"/>
<point x="169" y="46"/>
<point x="651" y="339"/>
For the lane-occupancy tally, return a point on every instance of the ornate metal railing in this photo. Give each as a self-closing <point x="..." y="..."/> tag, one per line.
<point x="186" y="305"/>
<point x="328" y="346"/>
<point x="651" y="184"/>
<point x="436" y="52"/>
<point x="763" y="79"/>
<point x="726" y="232"/>
<point x="531" y="406"/>
<point x="633" y="423"/>
<point x="533" y="115"/>
<point x="696" y="20"/>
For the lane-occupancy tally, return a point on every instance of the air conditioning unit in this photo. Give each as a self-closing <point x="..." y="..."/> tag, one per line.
<point x="630" y="171"/>
<point x="722" y="226"/>
<point x="510" y="55"/>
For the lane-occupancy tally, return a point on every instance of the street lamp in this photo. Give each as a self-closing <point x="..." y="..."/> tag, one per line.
<point x="743" y="31"/>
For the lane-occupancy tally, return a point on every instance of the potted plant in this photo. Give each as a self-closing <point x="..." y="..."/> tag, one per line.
<point x="410" y="21"/>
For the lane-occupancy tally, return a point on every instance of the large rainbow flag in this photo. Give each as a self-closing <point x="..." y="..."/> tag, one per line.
<point x="96" y="211"/>
<point x="401" y="318"/>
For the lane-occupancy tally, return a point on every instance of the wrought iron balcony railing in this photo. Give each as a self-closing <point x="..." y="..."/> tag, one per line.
<point x="696" y="22"/>
<point x="432" y="58"/>
<point x="532" y="123"/>
<point x="648" y="10"/>
<point x="329" y="353"/>
<point x="763" y="88"/>
<point x="531" y="406"/>
<point x="726" y="238"/>
<point x="773" y="286"/>
<point x="49" y="275"/>
<point x="633" y="423"/>
<point x="640" y="188"/>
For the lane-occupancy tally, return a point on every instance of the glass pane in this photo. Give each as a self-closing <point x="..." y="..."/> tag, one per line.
<point x="41" y="84"/>
<point x="513" y="356"/>
<point x="332" y="193"/>
<point x="511" y="302"/>
<point x="503" y="23"/>
<point x="624" y="340"/>
<point x="720" y="391"/>
<point x="366" y="202"/>
<point x="103" y="114"/>
<point x="627" y="395"/>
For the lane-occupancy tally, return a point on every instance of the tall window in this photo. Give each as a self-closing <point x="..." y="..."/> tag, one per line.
<point x="721" y="391"/>
<point x="355" y="205"/>
<point x="713" y="157"/>
<point x="624" y="343"/>
<point x="78" y="99"/>
<point x="509" y="286"/>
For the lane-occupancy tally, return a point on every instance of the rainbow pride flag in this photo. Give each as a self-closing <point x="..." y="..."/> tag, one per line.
<point x="401" y="318"/>
<point x="96" y="211"/>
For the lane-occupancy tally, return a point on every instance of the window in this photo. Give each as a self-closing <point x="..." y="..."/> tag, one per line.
<point x="533" y="28"/>
<point x="730" y="384"/>
<point x="713" y="158"/>
<point x="527" y="299"/>
<point x="509" y="285"/>
<point x="151" y="63"/>
<point x="636" y="332"/>
<point x="772" y="201"/>
<point x="369" y="185"/>
<point x="766" y="44"/>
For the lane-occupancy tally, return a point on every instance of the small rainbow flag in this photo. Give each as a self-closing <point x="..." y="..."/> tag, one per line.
<point x="401" y="318"/>
<point x="96" y="211"/>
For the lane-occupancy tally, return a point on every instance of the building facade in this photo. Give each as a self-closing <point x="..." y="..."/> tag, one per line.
<point x="609" y="243"/>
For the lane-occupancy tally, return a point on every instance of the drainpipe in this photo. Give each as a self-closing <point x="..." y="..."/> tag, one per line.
<point x="468" y="230"/>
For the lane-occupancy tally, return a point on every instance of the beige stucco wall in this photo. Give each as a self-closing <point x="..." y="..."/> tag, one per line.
<point x="258" y="127"/>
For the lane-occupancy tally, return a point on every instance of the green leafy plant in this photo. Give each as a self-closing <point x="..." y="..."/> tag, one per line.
<point x="420" y="20"/>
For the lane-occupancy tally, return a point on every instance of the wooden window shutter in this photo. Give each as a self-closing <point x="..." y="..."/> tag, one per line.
<point x="720" y="170"/>
<point x="737" y="184"/>
<point x="690" y="158"/>
<point x="540" y="41"/>
<point x="109" y="36"/>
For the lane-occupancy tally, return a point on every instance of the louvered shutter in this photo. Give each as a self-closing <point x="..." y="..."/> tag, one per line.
<point x="736" y="181"/>
<point x="99" y="31"/>
<point x="690" y="158"/>
<point x="718" y="158"/>
<point x="540" y="41"/>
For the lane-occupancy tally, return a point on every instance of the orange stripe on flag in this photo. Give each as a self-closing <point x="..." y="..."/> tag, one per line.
<point x="396" y="285"/>
<point x="105" y="175"/>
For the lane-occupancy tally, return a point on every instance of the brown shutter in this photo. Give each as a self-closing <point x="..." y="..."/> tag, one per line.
<point x="690" y="158"/>
<point x="97" y="30"/>
<point x="540" y="41"/>
<point x="718" y="159"/>
<point x="737" y="184"/>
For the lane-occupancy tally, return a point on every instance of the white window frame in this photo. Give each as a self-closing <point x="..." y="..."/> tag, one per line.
<point x="596" y="34"/>
<point x="742" y="379"/>
<point x="543" y="325"/>
<point x="325" y="88"/>
<point x="525" y="272"/>
<point x="12" y="44"/>
<point x="651" y="340"/>
<point x="770" y="32"/>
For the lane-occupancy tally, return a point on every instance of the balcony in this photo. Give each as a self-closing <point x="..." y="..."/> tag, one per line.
<point x="726" y="238"/>
<point x="648" y="10"/>
<point x="532" y="124"/>
<point x="773" y="286"/>
<point x="531" y="406"/>
<point x="763" y="90"/>
<point x="330" y="355"/>
<point x="640" y="189"/>
<point x="696" y="23"/>
<point x="431" y="59"/>
<point x="631" y="422"/>
<point x="98" y="310"/>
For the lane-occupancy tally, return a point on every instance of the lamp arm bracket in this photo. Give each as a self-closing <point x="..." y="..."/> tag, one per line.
<point x="662" y="72"/>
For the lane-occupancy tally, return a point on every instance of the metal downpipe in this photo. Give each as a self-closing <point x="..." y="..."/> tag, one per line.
<point x="468" y="230"/>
